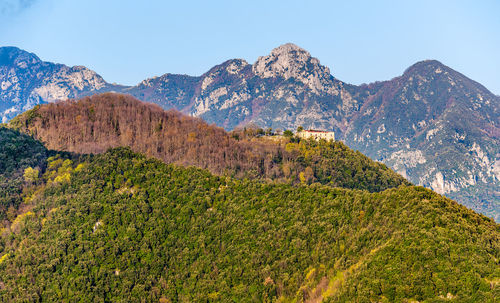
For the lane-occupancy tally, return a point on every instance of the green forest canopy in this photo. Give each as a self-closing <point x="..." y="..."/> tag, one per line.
<point x="122" y="227"/>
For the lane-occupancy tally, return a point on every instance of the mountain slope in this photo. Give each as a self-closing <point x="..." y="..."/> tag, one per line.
<point x="121" y="227"/>
<point x="432" y="124"/>
<point x="437" y="128"/>
<point x="97" y="123"/>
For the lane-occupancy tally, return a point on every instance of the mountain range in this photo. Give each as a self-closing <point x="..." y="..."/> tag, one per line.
<point x="432" y="124"/>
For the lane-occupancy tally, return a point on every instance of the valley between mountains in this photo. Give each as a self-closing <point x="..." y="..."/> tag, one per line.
<point x="433" y="125"/>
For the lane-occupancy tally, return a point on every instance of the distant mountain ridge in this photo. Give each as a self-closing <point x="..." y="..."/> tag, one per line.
<point x="432" y="124"/>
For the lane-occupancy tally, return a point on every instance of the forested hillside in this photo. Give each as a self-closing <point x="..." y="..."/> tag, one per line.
<point x="94" y="124"/>
<point x="258" y="224"/>
<point x="119" y="227"/>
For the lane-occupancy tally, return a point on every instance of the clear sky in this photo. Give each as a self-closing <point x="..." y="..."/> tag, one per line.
<point x="360" y="41"/>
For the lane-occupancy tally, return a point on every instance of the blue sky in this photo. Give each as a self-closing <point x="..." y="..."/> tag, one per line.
<point x="360" y="41"/>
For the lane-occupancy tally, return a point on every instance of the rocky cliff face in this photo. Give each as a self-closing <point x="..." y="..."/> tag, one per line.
<point x="292" y="62"/>
<point x="432" y="124"/>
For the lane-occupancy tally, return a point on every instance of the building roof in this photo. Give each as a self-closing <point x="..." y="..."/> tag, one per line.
<point x="317" y="131"/>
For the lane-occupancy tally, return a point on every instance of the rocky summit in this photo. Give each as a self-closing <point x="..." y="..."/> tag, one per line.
<point x="432" y="124"/>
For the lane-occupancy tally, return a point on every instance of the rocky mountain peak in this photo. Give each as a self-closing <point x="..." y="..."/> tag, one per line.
<point x="426" y="68"/>
<point x="231" y="67"/>
<point x="289" y="48"/>
<point x="450" y="80"/>
<point x="10" y="55"/>
<point x="290" y="61"/>
<point x="229" y="70"/>
<point x="25" y="81"/>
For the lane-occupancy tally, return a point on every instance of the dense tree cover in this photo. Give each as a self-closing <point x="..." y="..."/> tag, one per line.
<point x="18" y="153"/>
<point x="94" y="124"/>
<point x="119" y="227"/>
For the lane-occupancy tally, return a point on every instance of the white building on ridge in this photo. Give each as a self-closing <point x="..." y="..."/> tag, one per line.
<point x="316" y="134"/>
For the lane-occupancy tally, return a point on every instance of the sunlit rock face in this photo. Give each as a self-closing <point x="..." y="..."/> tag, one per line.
<point x="290" y="61"/>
